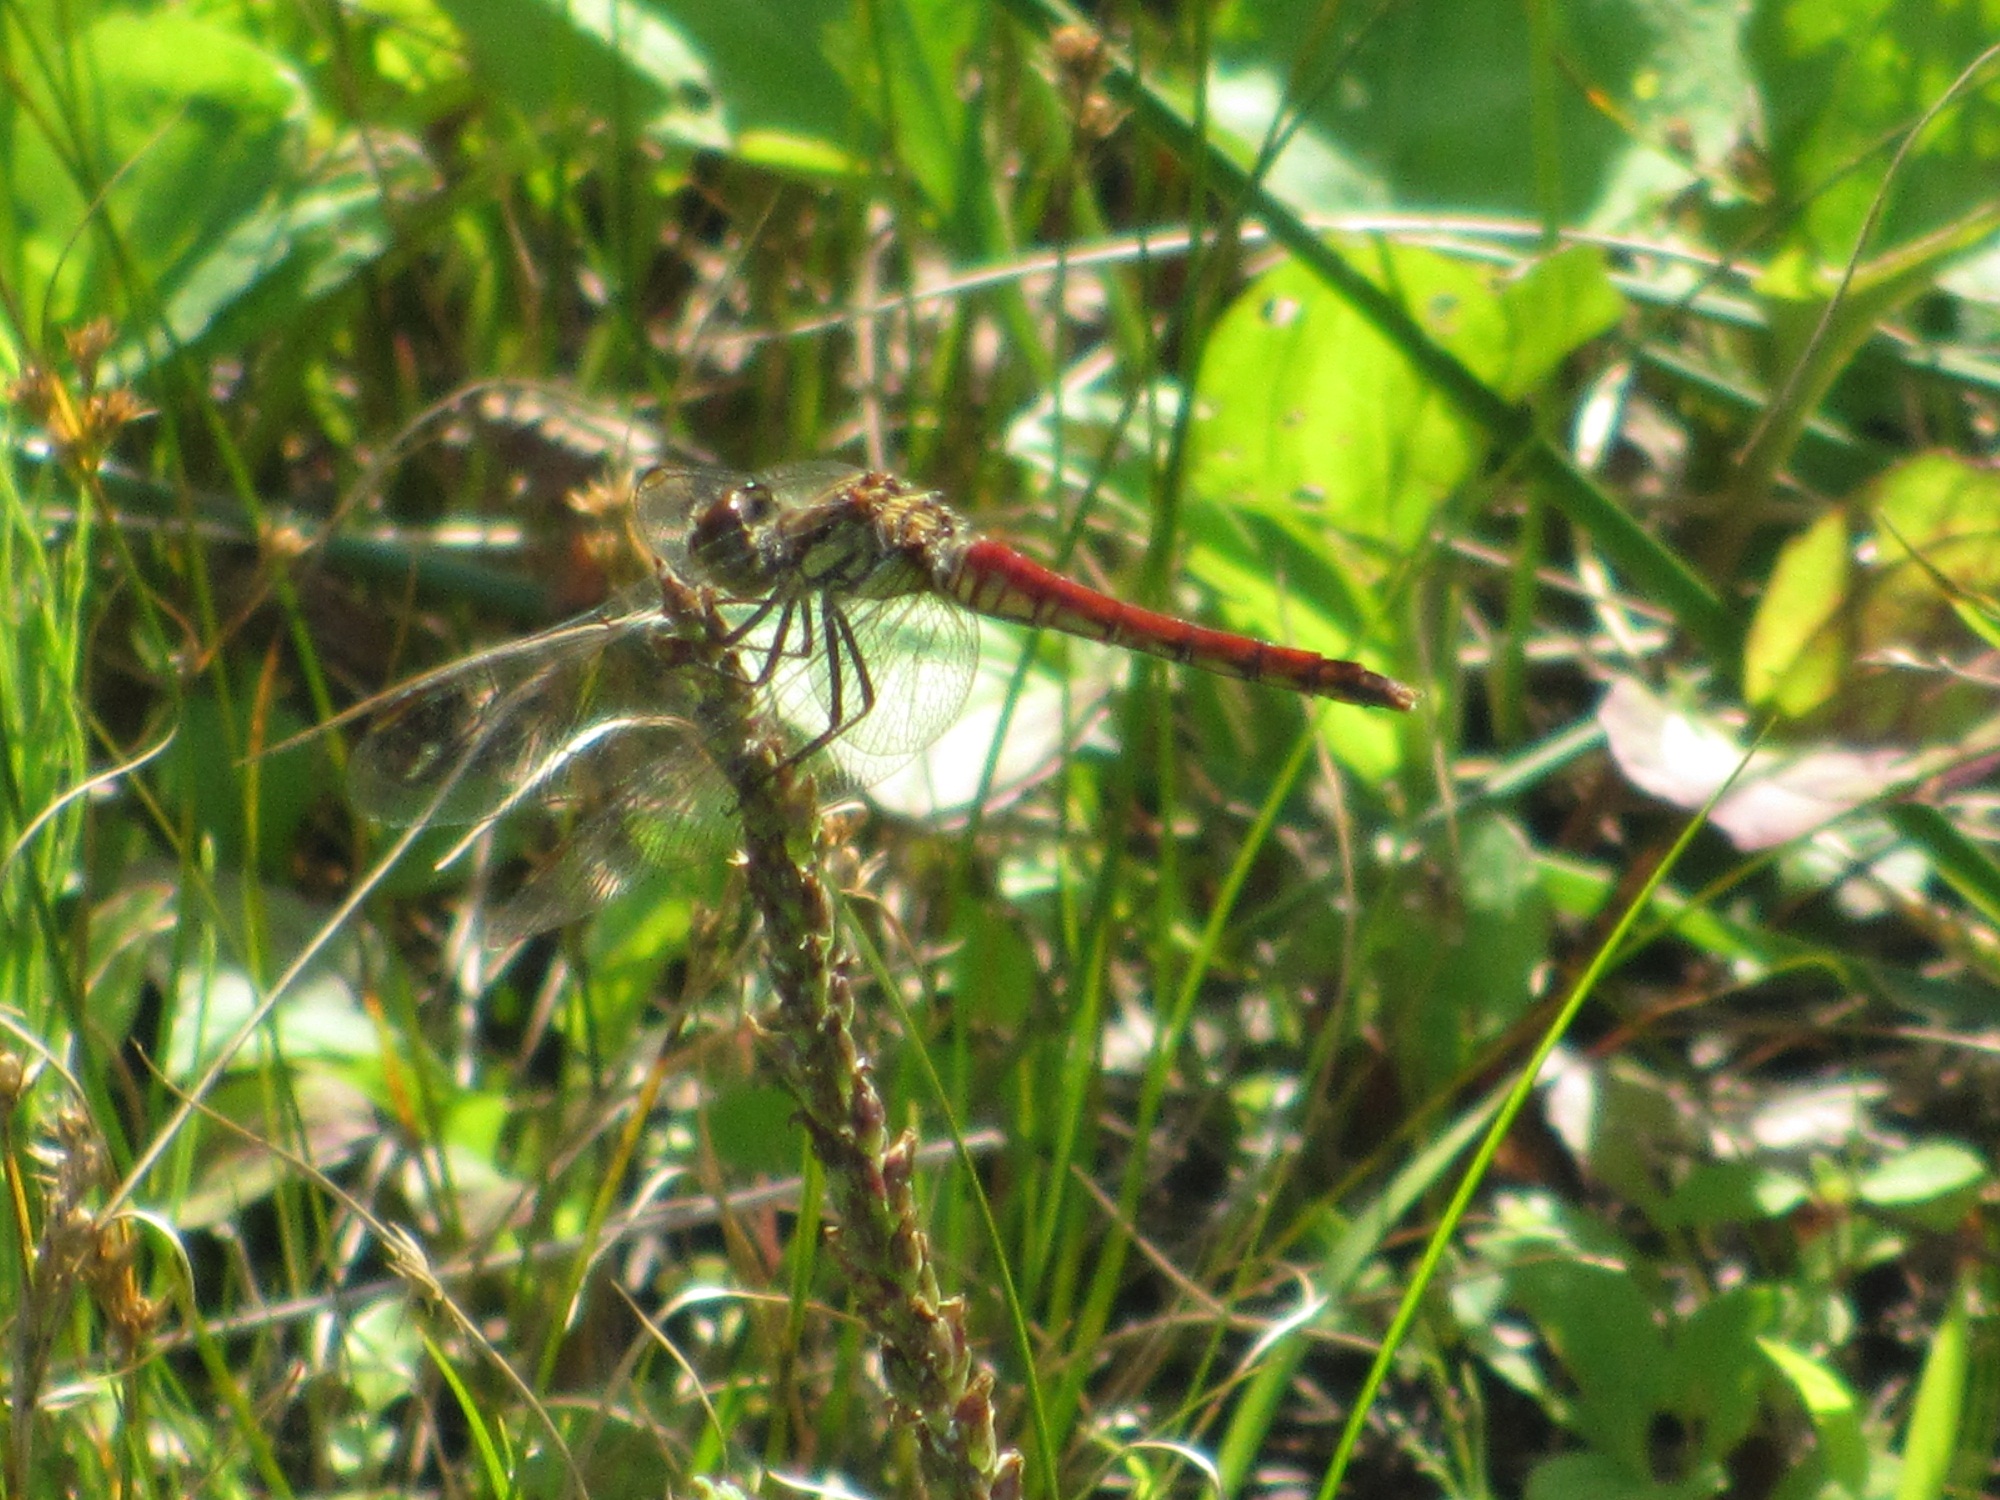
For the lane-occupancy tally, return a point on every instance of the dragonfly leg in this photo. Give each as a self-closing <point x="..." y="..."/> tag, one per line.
<point x="839" y="641"/>
<point x="735" y="635"/>
<point x="779" y="648"/>
<point x="836" y="620"/>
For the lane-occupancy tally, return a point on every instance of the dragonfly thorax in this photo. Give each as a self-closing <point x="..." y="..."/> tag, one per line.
<point x="870" y="537"/>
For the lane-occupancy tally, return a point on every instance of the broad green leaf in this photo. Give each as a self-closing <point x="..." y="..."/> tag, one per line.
<point x="415" y="47"/>
<point x="1713" y="1375"/>
<point x="1304" y="410"/>
<point x="1435" y="100"/>
<point x="191" y="125"/>
<point x="1792" y="660"/>
<point x="1929" y="1173"/>
<point x="754" y="1130"/>
<point x="1604" y="1331"/>
<point x="1832" y="1410"/>
<point x="1824" y="626"/>
<point x="1596" y="1476"/>
<point x="1931" y="1445"/>
<point x="1564" y="302"/>
<point x="995" y="977"/>
<point x="329" y="1112"/>
<point x="1270" y="577"/>
<point x="630" y="941"/>
<point x="779" y="70"/>
<point x="1462" y="982"/>
<point x="1841" y="82"/>
<point x="1938" y="516"/>
<point x="1731" y="1192"/>
<point x="199" y="774"/>
<point x="304" y="243"/>
<point x="1301" y="406"/>
<point x="320" y="1017"/>
<point x="610" y="58"/>
<point x="379" y="1347"/>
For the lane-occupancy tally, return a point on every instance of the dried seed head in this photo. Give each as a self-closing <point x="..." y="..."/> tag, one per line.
<point x="13" y="1080"/>
<point x="80" y="423"/>
<point x="113" y="1283"/>
<point x="86" y="347"/>
<point x="1081" y="61"/>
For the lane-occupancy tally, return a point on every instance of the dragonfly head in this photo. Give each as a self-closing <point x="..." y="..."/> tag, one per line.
<point x="728" y="540"/>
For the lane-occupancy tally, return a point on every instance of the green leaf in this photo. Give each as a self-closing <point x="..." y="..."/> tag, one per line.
<point x="1603" y="1330"/>
<point x="190" y="126"/>
<point x="305" y="243"/>
<point x="1832" y="1410"/>
<point x="608" y="57"/>
<point x="1564" y="302"/>
<point x="1436" y="100"/>
<point x="199" y="773"/>
<point x="1713" y="1377"/>
<point x="1931" y="1445"/>
<point x="754" y="1130"/>
<point x="380" y="1348"/>
<point x="1842" y="81"/>
<point x="1595" y="1476"/>
<point x="1928" y="1173"/>
<point x="778" y="68"/>
<point x="1462" y="983"/>
<point x="1824" y="624"/>
<point x="321" y="1017"/>
<point x="1301" y="404"/>
<point x="995" y="975"/>
<point x="1731" y="1192"/>
<point x="1274" y="577"/>
<point x="1792" y="661"/>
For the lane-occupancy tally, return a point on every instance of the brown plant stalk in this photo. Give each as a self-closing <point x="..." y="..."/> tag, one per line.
<point x="939" y="1392"/>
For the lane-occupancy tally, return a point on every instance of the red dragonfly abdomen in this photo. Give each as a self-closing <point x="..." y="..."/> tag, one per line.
<point x="993" y="579"/>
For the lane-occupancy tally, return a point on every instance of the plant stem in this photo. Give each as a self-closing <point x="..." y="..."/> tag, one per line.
<point x="938" y="1391"/>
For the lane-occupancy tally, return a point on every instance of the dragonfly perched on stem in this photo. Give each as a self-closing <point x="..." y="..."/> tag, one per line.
<point x="852" y="598"/>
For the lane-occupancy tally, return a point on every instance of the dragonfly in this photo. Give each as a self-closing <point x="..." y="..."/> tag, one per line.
<point x="851" y="596"/>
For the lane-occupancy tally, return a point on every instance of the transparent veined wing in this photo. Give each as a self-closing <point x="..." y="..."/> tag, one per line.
<point x="473" y="740"/>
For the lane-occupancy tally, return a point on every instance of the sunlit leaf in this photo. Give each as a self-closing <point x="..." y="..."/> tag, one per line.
<point x="611" y="56"/>
<point x="192" y="123"/>
<point x="1302" y="406"/>
<point x="1930" y="1446"/>
<point x="1841" y="80"/>
<point x="1831" y="1407"/>
<point x="1434" y="102"/>
<point x="1791" y="660"/>
<point x="1828" y="635"/>
<point x="1923" y="1174"/>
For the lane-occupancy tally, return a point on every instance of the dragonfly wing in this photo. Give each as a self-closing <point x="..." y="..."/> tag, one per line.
<point x="807" y="481"/>
<point x="918" y="652"/>
<point x="466" y="744"/>
<point x="667" y="500"/>
<point x="668" y="806"/>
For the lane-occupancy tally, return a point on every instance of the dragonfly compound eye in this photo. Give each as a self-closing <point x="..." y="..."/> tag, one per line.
<point x="753" y="502"/>
<point x="723" y="541"/>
